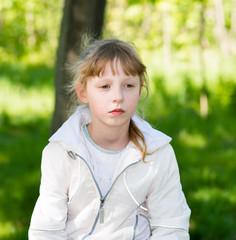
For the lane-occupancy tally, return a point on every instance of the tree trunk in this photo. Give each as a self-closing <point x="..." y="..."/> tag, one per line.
<point x="233" y="28"/>
<point x="204" y="93"/>
<point x="146" y="18"/>
<point x="166" y="37"/>
<point x="29" y="16"/>
<point x="79" y="17"/>
<point x="221" y="32"/>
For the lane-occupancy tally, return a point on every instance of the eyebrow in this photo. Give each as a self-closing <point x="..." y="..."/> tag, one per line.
<point x="123" y="78"/>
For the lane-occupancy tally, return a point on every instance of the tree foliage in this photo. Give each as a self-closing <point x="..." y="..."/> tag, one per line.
<point x="156" y="25"/>
<point x="29" y="26"/>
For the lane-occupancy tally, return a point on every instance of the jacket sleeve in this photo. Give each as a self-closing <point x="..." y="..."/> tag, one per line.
<point x="50" y="212"/>
<point x="167" y="208"/>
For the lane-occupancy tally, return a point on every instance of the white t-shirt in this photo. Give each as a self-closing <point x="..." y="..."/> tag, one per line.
<point x="103" y="162"/>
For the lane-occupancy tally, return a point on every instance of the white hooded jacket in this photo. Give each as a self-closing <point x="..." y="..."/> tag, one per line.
<point x="149" y="194"/>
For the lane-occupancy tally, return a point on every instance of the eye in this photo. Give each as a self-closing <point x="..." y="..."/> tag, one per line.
<point x="106" y="86"/>
<point x="129" y="85"/>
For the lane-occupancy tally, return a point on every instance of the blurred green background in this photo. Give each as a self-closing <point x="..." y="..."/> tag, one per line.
<point x="189" y="48"/>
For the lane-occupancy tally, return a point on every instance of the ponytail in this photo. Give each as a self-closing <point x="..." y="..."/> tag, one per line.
<point x="136" y="136"/>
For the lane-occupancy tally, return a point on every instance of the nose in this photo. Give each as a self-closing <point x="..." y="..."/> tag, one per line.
<point x="117" y="95"/>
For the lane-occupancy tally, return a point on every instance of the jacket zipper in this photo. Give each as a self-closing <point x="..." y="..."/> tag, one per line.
<point x="101" y="211"/>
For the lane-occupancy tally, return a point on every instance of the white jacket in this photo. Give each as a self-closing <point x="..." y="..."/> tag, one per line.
<point x="71" y="207"/>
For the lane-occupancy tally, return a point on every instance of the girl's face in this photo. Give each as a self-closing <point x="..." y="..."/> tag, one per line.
<point x="112" y="98"/>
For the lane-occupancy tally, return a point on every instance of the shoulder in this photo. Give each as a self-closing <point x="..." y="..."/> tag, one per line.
<point x="56" y="155"/>
<point x="163" y="159"/>
<point x="54" y="149"/>
<point x="161" y="154"/>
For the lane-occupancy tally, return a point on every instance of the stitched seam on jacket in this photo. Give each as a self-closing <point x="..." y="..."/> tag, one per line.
<point x="46" y="229"/>
<point x="170" y="227"/>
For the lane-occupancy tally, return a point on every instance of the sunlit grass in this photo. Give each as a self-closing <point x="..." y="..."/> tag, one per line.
<point x="192" y="139"/>
<point x="7" y="229"/>
<point x="24" y="104"/>
<point x="215" y="194"/>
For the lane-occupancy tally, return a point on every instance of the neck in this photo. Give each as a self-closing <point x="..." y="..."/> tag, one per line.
<point x="115" y="139"/>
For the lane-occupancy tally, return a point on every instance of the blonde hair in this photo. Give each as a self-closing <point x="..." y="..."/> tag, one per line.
<point x="93" y="62"/>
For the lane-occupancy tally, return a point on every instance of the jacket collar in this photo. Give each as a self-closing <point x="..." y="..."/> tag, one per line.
<point x="69" y="134"/>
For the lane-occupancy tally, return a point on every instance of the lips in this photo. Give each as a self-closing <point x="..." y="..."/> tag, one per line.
<point x="117" y="111"/>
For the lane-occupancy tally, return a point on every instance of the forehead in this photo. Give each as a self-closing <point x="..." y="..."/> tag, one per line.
<point x="114" y="67"/>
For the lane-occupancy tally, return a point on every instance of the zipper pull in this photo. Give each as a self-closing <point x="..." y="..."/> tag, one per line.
<point x="101" y="212"/>
<point x="101" y="215"/>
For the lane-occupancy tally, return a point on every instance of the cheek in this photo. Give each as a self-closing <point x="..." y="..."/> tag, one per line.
<point x="133" y="100"/>
<point x="97" y="101"/>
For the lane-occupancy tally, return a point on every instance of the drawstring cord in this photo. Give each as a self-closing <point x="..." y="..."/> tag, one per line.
<point x="131" y="195"/>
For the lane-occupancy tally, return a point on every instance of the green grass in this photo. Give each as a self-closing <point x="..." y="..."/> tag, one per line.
<point x="26" y="102"/>
<point x="205" y="148"/>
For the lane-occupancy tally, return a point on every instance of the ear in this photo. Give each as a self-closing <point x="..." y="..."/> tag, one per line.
<point x="81" y="93"/>
<point x="140" y="90"/>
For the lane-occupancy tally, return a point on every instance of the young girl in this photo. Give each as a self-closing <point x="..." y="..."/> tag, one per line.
<point x="106" y="173"/>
